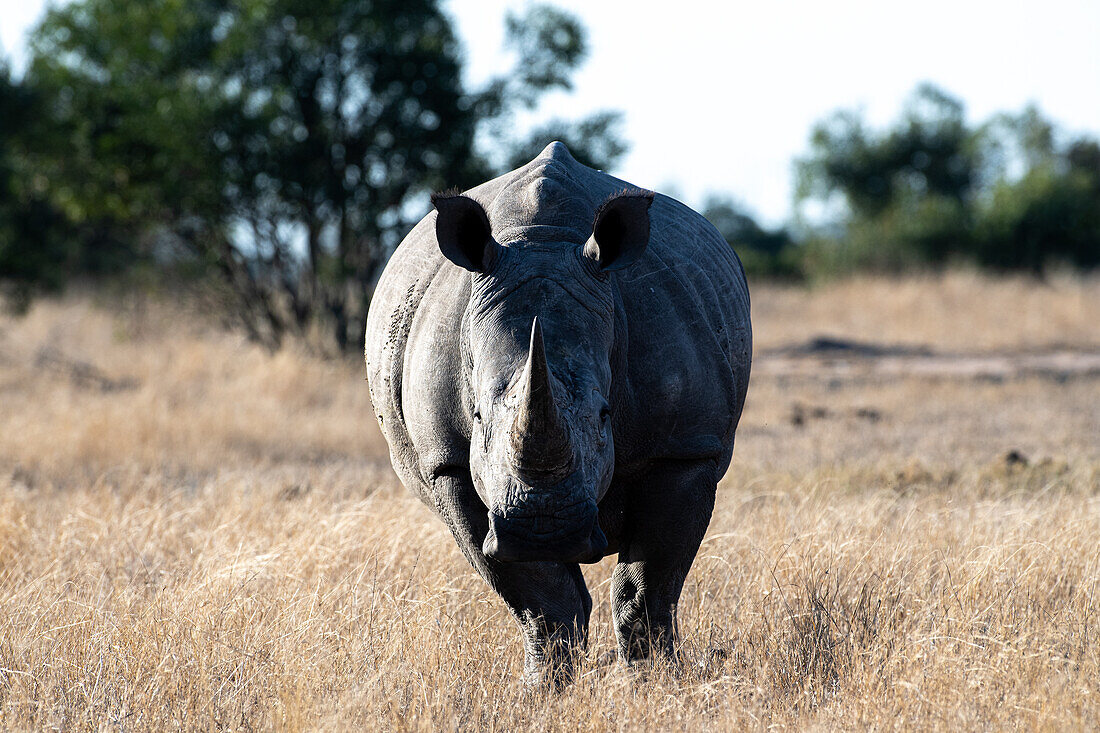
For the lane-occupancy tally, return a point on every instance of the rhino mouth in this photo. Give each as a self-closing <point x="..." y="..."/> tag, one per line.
<point x="546" y="537"/>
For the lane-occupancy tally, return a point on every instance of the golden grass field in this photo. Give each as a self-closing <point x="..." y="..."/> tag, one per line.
<point x="197" y="534"/>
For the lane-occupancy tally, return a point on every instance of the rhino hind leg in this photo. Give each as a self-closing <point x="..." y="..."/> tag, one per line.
<point x="668" y="510"/>
<point x="549" y="600"/>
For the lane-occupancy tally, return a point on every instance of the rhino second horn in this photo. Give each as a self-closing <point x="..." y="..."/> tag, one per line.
<point x="540" y="438"/>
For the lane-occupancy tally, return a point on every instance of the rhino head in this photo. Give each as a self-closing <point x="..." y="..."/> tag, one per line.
<point x="537" y="341"/>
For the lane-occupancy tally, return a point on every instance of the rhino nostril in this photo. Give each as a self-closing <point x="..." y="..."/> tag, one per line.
<point x="491" y="545"/>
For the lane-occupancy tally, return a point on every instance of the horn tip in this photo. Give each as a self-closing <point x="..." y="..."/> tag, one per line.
<point x="536" y="333"/>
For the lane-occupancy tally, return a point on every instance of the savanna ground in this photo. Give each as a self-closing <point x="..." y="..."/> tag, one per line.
<point x="195" y="533"/>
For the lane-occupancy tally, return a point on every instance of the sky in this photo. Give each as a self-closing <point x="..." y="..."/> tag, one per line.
<point x="721" y="96"/>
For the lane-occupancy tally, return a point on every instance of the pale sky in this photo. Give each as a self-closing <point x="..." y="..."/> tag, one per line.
<point x="720" y="96"/>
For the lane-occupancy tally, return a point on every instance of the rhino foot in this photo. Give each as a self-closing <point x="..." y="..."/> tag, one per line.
<point x="552" y="652"/>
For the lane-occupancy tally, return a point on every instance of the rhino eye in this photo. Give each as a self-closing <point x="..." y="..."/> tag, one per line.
<point x="477" y="416"/>
<point x="605" y="414"/>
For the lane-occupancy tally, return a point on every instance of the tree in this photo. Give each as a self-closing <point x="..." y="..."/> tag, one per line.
<point x="1051" y="213"/>
<point x="549" y="45"/>
<point x="1007" y="194"/>
<point x="288" y="144"/>
<point x="35" y="252"/>
<point x="905" y="193"/>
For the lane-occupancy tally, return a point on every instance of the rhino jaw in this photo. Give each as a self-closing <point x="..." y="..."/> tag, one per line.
<point x="514" y="540"/>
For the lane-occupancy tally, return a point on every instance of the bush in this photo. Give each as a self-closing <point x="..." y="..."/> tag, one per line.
<point x="930" y="191"/>
<point x="1050" y="215"/>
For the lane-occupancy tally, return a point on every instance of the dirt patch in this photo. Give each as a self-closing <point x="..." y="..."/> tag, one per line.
<point x="826" y="357"/>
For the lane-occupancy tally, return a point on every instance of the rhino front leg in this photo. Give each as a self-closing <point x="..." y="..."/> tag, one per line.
<point x="549" y="600"/>
<point x="552" y="605"/>
<point x="668" y="508"/>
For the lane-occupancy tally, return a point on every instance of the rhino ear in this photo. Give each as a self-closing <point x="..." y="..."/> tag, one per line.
<point x="463" y="232"/>
<point x="620" y="231"/>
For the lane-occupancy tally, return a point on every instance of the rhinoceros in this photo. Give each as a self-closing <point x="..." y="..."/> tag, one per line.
<point x="558" y="361"/>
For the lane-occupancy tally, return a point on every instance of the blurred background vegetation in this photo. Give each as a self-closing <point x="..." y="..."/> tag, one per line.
<point x="276" y="151"/>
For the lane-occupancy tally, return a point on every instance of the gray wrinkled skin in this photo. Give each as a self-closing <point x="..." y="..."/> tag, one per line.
<point x="558" y="394"/>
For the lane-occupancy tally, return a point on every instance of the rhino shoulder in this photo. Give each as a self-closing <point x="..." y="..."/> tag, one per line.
<point x="411" y="349"/>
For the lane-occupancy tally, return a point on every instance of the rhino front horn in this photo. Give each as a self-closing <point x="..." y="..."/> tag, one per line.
<point x="540" y="438"/>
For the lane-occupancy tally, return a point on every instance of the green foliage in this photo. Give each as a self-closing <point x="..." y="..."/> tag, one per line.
<point x="285" y="145"/>
<point x="243" y="130"/>
<point x="1051" y="214"/>
<point x="550" y="44"/>
<point x="927" y="153"/>
<point x="931" y="190"/>
<point x="36" y="251"/>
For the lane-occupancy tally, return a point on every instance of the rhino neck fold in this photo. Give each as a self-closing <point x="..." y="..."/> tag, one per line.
<point x="541" y="447"/>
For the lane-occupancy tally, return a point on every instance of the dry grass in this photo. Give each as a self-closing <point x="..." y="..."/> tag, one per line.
<point x="961" y="311"/>
<point x="196" y="534"/>
<point x="88" y="389"/>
